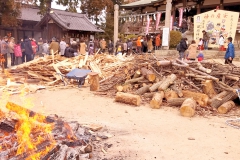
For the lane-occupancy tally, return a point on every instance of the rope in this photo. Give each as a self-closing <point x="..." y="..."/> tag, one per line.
<point x="232" y="123"/>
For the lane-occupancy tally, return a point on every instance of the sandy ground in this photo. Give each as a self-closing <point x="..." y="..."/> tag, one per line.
<point x="141" y="133"/>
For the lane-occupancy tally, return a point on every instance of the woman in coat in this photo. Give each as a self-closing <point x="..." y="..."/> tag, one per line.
<point x="150" y="45"/>
<point x="83" y="47"/>
<point x="192" y="51"/>
<point x="18" y="53"/>
<point x="221" y="43"/>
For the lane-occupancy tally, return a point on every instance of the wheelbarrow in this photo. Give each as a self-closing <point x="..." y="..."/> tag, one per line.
<point x="76" y="74"/>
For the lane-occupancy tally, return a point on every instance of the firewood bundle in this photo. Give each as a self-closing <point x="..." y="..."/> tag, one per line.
<point x="26" y="134"/>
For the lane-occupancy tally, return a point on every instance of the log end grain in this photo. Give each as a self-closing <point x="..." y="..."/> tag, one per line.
<point x="226" y="107"/>
<point x="128" y="98"/>
<point x="156" y="101"/>
<point x="188" y="108"/>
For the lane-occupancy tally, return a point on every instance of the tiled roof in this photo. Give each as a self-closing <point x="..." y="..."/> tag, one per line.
<point x="30" y="14"/>
<point x="138" y="3"/>
<point x="73" y="21"/>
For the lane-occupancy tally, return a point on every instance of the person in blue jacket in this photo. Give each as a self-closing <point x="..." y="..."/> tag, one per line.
<point x="230" y="52"/>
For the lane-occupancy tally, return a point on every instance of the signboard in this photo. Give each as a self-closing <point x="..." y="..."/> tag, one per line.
<point x="216" y="23"/>
<point x="165" y="37"/>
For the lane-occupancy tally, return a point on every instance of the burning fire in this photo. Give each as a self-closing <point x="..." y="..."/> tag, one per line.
<point x="33" y="134"/>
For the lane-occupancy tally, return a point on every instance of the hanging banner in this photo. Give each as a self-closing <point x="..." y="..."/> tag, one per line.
<point x="171" y="23"/>
<point x="165" y="37"/>
<point x="158" y="19"/>
<point x="148" y="23"/>
<point x="180" y="16"/>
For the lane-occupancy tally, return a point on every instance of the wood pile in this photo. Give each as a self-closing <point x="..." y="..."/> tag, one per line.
<point x="156" y="81"/>
<point x="61" y="141"/>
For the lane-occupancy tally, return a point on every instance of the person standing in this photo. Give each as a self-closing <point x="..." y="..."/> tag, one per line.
<point x="54" y="47"/>
<point x="90" y="47"/>
<point x="124" y="47"/>
<point x="45" y="47"/>
<point x="40" y="47"/>
<point x="205" y="39"/>
<point x="23" y="51"/>
<point x="18" y="53"/>
<point x="11" y="50"/>
<point x="103" y="45"/>
<point x="230" y="52"/>
<point x="183" y="48"/>
<point x="221" y="43"/>
<point x="34" y="47"/>
<point x="139" y="45"/>
<point x="82" y="47"/>
<point x="4" y="50"/>
<point x="110" y="47"/>
<point x="62" y="46"/>
<point x="28" y="49"/>
<point x="130" y="46"/>
<point x="150" y="45"/>
<point x="158" y="42"/>
<point x="192" y="51"/>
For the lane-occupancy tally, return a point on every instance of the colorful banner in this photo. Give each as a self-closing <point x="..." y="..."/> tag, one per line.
<point x="148" y="24"/>
<point x="180" y="16"/>
<point x="216" y="23"/>
<point x="158" y="20"/>
<point x="171" y="23"/>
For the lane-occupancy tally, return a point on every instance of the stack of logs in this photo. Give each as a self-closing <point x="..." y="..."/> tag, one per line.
<point x="66" y="141"/>
<point x="188" y="84"/>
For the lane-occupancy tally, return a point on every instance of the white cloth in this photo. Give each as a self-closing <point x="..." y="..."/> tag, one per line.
<point x="221" y="41"/>
<point x="62" y="47"/>
<point x="200" y="43"/>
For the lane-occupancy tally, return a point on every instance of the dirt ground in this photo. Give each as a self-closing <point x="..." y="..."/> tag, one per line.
<point x="141" y="133"/>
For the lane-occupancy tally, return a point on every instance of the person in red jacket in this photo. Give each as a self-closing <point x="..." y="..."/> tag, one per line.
<point x="18" y="53"/>
<point x="34" y="47"/>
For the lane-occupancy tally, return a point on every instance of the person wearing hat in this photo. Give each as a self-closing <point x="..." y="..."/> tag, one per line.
<point x="4" y="50"/>
<point x="205" y="39"/>
<point x="54" y="46"/>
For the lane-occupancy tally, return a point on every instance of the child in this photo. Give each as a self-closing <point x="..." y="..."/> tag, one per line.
<point x="18" y="53"/>
<point x="119" y="49"/>
<point x="200" y="56"/>
<point x="200" y="44"/>
<point x="90" y="49"/>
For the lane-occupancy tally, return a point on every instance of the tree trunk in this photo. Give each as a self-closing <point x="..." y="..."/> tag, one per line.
<point x="148" y="74"/>
<point x="164" y="63"/>
<point x="155" y="86"/>
<point x="208" y="88"/>
<point x="134" y="80"/>
<point x="201" y="68"/>
<point x="148" y="95"/>
<point x="156" y="101"/>
<point x="137" y="74"/>
<point x="176" y="101"/>
<point x="142" y="90"/>
<point x="167" y="82"/>
<point x="220" y="100"/>
<point x="177" y="89"/>
<point x="94" y="81"/>
<point x="188" y="107"/>
<point x="170" y="94"/>
<point x="235" y="78"/>
<point x="128" y="98"/>
<point x="226" y="107"/>
<point x="200" y="98"/>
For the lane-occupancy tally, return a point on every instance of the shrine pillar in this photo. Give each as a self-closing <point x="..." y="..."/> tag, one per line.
<point x="116" y="12"/>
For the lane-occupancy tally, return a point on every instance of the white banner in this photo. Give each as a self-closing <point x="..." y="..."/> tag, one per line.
<point x="165" y="37"/>
<point x="158" y="19"/>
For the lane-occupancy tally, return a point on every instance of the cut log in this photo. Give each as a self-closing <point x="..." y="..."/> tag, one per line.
<point x="201" y="68"/>
<point x="235" y="78"/>
<point x="137" y="74"/>
<point x="208" y="88"/>
<point x="164" y="63"/>
<point x="149" y="95"/>
<point x="143" y="90"/>
<point x="167" y="82"/>
<point x="155" y="86"/>
<point x="204" y="74"/>
<point x="128" y="98"/>
<point x="217" y="102"/>
<point x="177" y="89"/>
<point x="148" y="74"/>
<point x="134" y="80"/>
<point x="156" y="101"/>
<point x="119" y="88"/>
<point x="176" y="101"/>
<point x="200" y="98"/>
<point x="188" y="107"/>
<point x="94" y="81"/>
<point x="218" y="96"/>
<point x="226" y="107"/>
<point x="170" y="94"/>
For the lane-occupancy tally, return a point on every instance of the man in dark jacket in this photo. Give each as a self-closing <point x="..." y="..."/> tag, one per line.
<point x="230" y="52"/>
<point x="69" y="52"/>
<point x="23" y="51"/>
<point x="205" y="39"/>
<point x="28" y="49"/>
<point x="183" y="48"/>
